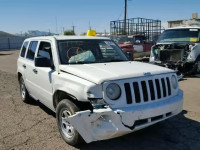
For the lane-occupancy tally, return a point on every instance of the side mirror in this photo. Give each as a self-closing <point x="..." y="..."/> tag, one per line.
<point x="42" y="62"/>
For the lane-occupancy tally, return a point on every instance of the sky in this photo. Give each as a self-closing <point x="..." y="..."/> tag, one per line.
<point x="18" y="16"/>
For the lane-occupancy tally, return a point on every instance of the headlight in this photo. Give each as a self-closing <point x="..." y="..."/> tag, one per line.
<point x="113" y="91"/>
<point x="174" y="82"/>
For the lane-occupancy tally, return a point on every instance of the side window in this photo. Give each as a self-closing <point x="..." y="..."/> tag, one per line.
<point x="45" y="50"/>
<point x="24" y="47"/>
<point x="31" y="50"/>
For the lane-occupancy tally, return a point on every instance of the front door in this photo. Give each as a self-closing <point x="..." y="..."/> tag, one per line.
<point x="44" y="75"/>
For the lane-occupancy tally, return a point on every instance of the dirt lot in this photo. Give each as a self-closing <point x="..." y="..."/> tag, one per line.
<point x="33" y="126"/>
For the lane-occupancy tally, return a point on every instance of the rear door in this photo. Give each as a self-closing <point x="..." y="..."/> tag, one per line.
<point x="30" y="72"/>
<point x="21" y="62"/>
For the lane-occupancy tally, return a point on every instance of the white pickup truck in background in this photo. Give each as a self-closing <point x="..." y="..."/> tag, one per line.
<point x="178" y="49"/>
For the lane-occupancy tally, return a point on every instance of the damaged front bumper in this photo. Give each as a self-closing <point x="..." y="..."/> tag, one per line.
<point x="107" y="123"/>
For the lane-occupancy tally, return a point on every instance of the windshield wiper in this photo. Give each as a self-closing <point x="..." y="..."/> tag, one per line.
<point x="116" y="60"/>
<point x="80" y="62"/>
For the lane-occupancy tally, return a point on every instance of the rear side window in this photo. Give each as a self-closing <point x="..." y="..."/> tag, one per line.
<point x="24" y="47"/>
<point x="31" y="50"/>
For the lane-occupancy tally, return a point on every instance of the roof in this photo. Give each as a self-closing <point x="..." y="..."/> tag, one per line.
<point x="69" y="38"/>
<point x="175" y="21"/>
<point x="182" y="20"/>
<point x="184" y="27"/>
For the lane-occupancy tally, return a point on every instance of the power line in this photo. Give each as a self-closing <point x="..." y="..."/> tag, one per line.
<point x="120" y="14"/>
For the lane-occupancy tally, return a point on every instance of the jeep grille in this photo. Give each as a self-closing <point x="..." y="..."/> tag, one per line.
<point x="147" y="90"/>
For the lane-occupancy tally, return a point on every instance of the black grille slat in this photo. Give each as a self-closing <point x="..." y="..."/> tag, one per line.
<point x="168" y="114"/>
<point x="152" y="90"/>
<point x="137" y="92"/>
<point x="156" y="118"/>
<point x="169" y="87"/>
<point x="145" y="92"/>
<point x="164" y="87"/>
<point x="128" y="93"/>
<point x="141" y="122"/>
<point x="158" y="88"/>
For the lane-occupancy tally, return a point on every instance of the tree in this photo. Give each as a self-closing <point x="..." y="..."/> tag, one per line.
<point x="69" y="32"/>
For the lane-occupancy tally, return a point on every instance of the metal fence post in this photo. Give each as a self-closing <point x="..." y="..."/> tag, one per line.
<point x="8" y="43"/>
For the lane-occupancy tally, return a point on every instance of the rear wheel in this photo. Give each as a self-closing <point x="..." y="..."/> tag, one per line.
<point x="23" y="91"/>
<point x="65" y="109"/>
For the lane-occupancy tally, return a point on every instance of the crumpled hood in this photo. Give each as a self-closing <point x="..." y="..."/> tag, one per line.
<point x="100" y="72"/>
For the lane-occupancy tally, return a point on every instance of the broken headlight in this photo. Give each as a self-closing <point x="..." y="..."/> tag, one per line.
<point x="174" y="82"/>
<point x="113" y="91"/>
<point x="98" y="103"/>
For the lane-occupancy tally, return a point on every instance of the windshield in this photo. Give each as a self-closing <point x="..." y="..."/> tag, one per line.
<point x="180" y="35"/>
<point x="89" y="51"/>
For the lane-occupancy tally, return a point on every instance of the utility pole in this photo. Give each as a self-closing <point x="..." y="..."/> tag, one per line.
<point x="56" y="25"/>
<point x="73" y="28"/>
<point x="63" y="30"/>
<point x="125" y="16"/>
<point x="90" y="28"/>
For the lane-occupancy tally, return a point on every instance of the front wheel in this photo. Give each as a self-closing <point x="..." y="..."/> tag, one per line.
<point x="65" y="109"/>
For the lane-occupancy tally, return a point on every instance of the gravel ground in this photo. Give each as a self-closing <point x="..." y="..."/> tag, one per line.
<point x="33" y="126"/>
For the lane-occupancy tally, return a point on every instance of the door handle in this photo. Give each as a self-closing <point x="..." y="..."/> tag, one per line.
<point x="35" y="71"/>
<point x="24" y="66"/>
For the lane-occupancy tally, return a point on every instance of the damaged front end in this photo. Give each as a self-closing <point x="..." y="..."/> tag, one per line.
<point x="184" y="58"/>
<point x="105" y="122"/>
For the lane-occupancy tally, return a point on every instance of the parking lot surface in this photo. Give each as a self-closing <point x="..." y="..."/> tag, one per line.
<point x="33" y="126"/>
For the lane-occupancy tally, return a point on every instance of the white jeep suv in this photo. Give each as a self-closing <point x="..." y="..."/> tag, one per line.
<point x="96" y="92"/>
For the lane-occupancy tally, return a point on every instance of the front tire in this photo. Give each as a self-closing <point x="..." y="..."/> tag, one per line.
<point x="65" y="109"/>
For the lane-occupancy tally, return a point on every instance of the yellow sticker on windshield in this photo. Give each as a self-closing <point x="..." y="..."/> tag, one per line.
<point x="193" y="39"/>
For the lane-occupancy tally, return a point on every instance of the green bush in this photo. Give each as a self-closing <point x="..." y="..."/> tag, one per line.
<point x="69" y="32"/>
